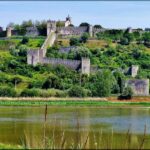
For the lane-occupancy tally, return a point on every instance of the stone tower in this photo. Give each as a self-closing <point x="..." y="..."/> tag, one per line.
<point x="134" y="70"/>
<point x="33" y="57"/>
<point x="68" y="21"/>
<point x="9" y="31"/>
<point x="90" y="30"/>
<point x="51" y="26"/>
<point x="85" y="66"/>
<point x="129" y="29"/>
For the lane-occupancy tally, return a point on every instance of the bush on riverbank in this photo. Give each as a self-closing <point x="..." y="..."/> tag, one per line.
<point x="43" y="93"/>
<point x="127" y="93"/>
<point x="78" y="91"/>
<point x="7" y="92"/>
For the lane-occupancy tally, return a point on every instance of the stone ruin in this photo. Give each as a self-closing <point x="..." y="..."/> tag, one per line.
<point x="9" y="31"/>
<point x="140" y="87"/>
<point x="68" y="30"/>
<point x="39" y="56"/>
<point x="32" y="31"/>
<point x="134" y="70"/>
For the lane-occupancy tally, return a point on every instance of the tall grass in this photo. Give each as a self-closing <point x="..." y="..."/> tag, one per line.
<point x="85" y="139"/>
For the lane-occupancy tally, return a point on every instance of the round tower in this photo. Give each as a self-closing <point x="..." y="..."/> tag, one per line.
<point x="90" y="30"/>
<point x="9" y="31"/>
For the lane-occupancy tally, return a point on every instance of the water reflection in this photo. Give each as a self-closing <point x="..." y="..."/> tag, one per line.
<point x="91" y="127"/>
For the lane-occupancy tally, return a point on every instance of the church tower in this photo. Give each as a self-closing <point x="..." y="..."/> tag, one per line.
<point x="68" y="21"/>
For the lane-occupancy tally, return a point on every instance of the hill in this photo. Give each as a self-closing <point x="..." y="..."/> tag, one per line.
<point x="110" y="57"/>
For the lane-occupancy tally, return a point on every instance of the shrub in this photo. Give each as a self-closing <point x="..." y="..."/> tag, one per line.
<point x="30" y="93"/>
<point x="7" y="92"/>
<point x="23" y="50"/>
<point x="13" y="51"/>
<point x="79" y="52"/>
<point x="16" y="80"/>
<point x="127" y="93"/>
<point x="60" y="93"/>
<point x="77" y="91"/>
<point x="84" y="38"/>
<point x="43" y="93"/>
<point x="25" y="40"/>
<point x="35" y="84"/>
<point x="74" y="41"/>
<point x="52" y="82"/>
<point x="124" y="41"/>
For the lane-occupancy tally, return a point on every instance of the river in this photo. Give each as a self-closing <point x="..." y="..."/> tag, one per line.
<point x="75" y="127"/>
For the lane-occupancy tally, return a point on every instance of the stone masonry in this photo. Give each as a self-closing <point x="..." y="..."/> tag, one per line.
<point x="9" y="31"/>
<point x="39" y="56"/>
<point x="134" y="70"/>
<point x="140" y="87"/>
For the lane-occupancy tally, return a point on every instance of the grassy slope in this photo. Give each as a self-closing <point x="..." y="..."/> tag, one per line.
<point x="33" y="42"/>
<point x="5" y="56"/>
<point x="89" y="44"/>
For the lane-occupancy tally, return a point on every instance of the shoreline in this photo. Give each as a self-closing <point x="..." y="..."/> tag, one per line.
<point x="89" y="101"/>
<point x="110" y="99"/>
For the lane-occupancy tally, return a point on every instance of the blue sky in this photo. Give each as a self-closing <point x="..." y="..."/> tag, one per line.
<point x="110" y="14"/>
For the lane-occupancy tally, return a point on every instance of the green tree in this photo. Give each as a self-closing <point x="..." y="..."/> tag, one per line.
<point x="84" y="24"/>
<point x="124" y="41"/>
<point x="74" y="42"/>
<point x="52" y="82"/>
<point x="7" y="92"/>
<point x="42" y="27"/>
<point x="79" y="52"/>
<point x="84" y="37"/>
<point x="25" y="40"/>
<point x="97" y="26"/>
<point x="102" y="83"/>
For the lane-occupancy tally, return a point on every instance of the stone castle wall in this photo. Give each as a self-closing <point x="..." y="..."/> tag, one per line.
<point x="85" y="66"/>
<point x="48" y="42"/>
<point x="140" y="87"/>
<point x="33" y="57"/>
<point x="73" y="64"/>
<point x="72" y="30"/>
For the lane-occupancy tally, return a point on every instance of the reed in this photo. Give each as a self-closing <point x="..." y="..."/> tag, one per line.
<point x="83" y="139"/>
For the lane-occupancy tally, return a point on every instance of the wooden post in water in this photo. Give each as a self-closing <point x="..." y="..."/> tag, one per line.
<point x="45" y="113"/>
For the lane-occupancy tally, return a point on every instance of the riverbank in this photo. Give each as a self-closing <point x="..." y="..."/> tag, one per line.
<point x="110" y="99"/>
<point x="53" y="101"/>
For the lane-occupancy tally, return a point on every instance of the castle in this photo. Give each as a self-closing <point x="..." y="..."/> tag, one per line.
<point x="39" y="55"/>
<point x="64" y="28"/>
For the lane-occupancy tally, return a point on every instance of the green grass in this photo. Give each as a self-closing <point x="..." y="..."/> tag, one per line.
<point x="70" y="103"/>
<point x="5" y="44"/>
<point x="34" y="42"/>
<point x="8" y="146"/>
